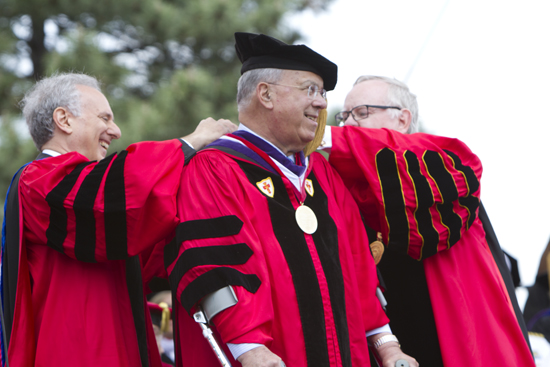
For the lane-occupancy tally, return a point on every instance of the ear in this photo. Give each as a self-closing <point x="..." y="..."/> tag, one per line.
<point x="263" y="93"/>
<point x="61" y="118"/>
<point x="404" y="121"/>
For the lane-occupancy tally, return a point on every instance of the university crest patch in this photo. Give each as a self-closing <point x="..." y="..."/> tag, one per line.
<point x="309" y="187"/>
<point x="266" y="187"/>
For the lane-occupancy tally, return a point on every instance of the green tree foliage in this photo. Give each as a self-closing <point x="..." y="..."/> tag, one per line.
<point x="164" y="64"/>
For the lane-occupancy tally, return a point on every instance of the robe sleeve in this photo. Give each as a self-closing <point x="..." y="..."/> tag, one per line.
<point x="107" y="210"/>
<point x="152" y="263"/>
<point x="222" y="244"/>
<point x="421" y="191"/>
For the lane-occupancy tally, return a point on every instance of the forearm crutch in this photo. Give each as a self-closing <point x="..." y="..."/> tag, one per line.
<point x="210" y="307"/>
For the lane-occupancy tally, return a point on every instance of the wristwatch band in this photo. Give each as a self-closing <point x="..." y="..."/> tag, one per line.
<point x="385" y="339"/>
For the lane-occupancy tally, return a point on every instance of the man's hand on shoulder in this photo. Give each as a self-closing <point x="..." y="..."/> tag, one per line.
<point x="209" y="130"/>
<point x="260" y="357"/>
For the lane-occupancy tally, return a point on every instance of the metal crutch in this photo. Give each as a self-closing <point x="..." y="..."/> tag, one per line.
<point x="210" y="307"/>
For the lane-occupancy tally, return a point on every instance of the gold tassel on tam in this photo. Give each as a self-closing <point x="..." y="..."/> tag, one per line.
<point x="165" y="321"/>
<point x="321" y="123"/>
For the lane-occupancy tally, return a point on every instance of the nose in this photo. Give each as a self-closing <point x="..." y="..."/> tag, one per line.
<point x="319" y="102"/>
<point x="350" y="121"/>
<point x="114" y="130"/>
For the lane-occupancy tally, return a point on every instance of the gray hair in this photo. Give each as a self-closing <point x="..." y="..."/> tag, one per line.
<point x="399" y="95"/>
<point x="250" y="79"/>
<point x="44" y="97"/>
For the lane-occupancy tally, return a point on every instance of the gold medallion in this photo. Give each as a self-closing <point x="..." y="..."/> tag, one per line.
<point x="377" y="248"/>
<point x="306" y="219"/>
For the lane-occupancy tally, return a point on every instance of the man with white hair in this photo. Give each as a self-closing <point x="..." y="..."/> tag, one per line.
<point x="75" y="224"/>
<point x="446" y="295"/>
<point x="389" y="95"/>
<point x="277" y="226"/>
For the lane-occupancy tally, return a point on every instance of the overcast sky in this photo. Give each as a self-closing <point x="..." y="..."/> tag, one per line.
<point x="481" y="71"/>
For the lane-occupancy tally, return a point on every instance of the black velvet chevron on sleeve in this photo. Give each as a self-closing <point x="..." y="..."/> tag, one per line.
<point x="220" y="256"/>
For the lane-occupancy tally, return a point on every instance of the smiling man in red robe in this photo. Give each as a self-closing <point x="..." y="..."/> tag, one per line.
<point x="447" y="298"/>
<point x="75" y="223"/>
<point x="277" y="226"/>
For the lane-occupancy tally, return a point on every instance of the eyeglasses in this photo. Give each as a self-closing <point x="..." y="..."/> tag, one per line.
<point x="312" y="91"/>
<point x="358" y="113"/>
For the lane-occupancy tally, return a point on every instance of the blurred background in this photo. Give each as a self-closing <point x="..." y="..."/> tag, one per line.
<point x="164" y="64"/>
<point x="480" y="70"/>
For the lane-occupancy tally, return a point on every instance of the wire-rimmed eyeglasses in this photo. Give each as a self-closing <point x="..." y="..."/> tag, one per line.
<point x="358" y="113"/>
<point x="312" y="90"/>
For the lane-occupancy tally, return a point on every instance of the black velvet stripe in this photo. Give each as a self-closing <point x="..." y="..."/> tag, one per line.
<point x="404" y="277"/>
<point x="452" y="221"/>
<point x="188" y="152"/>
<point x="296" y="252"/>
<point x="449" y="193"/>
<point x="201" y="229"/>
<point x="116" y="237"/>
<point x="214" y="280"/>
<point x="392" y="193"/>
<point x="326" y="242"/>
<point x="42" y="156"/>
<point x="10" y="256"/>
<point x="85" y="237"/>
<point x="425" y="200"/>
<point x="137" y="303"/>
<point x="371" y="233"/>
<point x="229" y="225"/>
<point x="441" y="176"/>
<point x="176" y="329"/>
<point x="57" y="229"/>
<point x="471" y="178"/>
<point x="373" y="236"/>
<point x="411" y="320"/>
<point x="212" y="255"/>
<point x="472" y="203"/>
<point x="170" y="252"/>
<point x="232" y="152"/>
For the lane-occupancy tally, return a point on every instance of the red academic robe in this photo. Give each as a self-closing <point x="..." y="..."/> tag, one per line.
<point x="422" y="193"/>
<point x="79" y="298"/>
<point x="308" y="298"/>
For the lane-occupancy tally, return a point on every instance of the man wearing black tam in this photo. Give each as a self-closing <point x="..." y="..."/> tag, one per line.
<point x="279" y="227"/>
